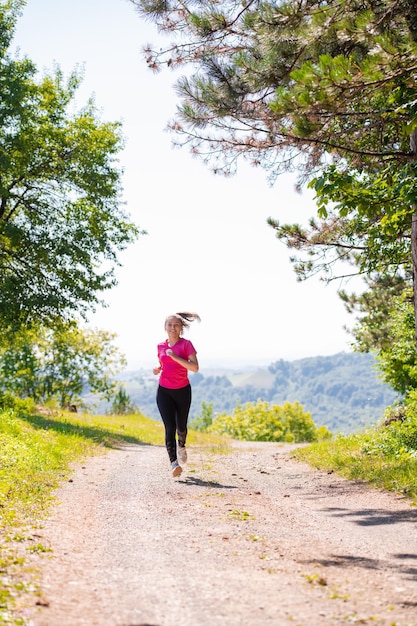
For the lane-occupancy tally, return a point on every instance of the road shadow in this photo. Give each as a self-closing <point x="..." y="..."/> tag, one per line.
<point x="373" y="517"/>
<point x="346" y="561"/>
<point x="193" y="480"/>
<point x="107" y="438"/>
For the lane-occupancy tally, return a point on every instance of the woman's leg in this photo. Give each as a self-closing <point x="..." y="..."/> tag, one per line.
<point x="167" y="409"/>
<point x="183" y="402"/>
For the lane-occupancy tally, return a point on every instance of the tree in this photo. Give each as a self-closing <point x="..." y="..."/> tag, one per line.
<point x="284" y="81"/>
<point x="205" y="419"/>
<point x="397" y="360"/>
<point x="59" y="364"/>
<point x="61" y="218"/>
<point x="19" y="363"/>
<point x="324" y="87"/>
<point x="369" y="227"/>
<point x="122" y="403"/>
<point x="374" y="307"/>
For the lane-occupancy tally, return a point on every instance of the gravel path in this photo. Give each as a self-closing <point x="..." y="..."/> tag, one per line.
<point x="249" y="538"/>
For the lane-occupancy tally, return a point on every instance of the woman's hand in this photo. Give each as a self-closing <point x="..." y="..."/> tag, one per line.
<point x="157" y="370"/>
<point x="191" y="364"/>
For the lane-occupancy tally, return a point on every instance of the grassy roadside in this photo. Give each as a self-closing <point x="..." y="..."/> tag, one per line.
<point x="384" y="457"/>
<point x="37" y="451"/>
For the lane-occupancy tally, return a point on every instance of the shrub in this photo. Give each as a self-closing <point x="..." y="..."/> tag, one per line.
<point x="8" y="401"/>
<point x="259" y="421"/>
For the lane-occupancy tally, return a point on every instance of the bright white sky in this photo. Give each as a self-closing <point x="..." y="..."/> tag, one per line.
<point x="208" y="248"/>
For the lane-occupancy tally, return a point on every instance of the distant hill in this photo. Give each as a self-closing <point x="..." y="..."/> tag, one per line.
<point x="342" y="391"/>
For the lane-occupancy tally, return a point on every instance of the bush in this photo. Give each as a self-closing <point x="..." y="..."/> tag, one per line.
<point x="259" y="421"/>
<point x="397" y="437"/>
<point x="7" y="401"/>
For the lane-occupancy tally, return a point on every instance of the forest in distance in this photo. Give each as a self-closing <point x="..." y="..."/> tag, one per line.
<point x="343" y="392"/>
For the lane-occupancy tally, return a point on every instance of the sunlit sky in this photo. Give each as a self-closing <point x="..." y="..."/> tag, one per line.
<point x="208" y="247"/>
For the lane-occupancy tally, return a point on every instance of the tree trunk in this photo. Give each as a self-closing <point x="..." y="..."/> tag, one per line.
<point x="414" y="260"/>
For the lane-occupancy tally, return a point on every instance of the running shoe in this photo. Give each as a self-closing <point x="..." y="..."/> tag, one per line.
<point x="182" y="454"/>
<point x="176" y="469"/>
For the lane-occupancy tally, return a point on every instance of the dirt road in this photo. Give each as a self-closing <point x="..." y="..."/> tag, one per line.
<point x="249" y="538"/>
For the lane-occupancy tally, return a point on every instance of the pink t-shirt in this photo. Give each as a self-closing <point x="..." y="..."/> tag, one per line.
<point x="173" y="375"/>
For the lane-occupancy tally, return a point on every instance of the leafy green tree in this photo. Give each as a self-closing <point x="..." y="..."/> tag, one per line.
<point x="324" y="87"/>
<point x="373" y="308"/>
<point x="62" y="223"/>
<point x="387" y="329"/>
<point x="368" y="224"/>
<point x="203" y="421"/>
<point x="398" y="360"/>
<point x="122" y="403"/>
<point x="59" y="364"/>
<point x="259" y="421"/>
<point x="20" y="363"/>
<point x="369" y="227"/>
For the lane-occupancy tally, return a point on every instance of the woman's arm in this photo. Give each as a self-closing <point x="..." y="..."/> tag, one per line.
<point x="192" y="363"/>
<point x="157" y="370"/>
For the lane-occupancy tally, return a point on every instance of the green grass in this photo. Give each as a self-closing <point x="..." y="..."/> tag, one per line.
<point x="381" y="457"/>
<point x="37" y="452"/>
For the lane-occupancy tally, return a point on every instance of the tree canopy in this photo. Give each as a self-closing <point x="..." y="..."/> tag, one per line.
<point x="62" y="220"/>
<point x="368" y="225"/>
<point x="323" y="88"/>
<point x="287" y="82"/>
<point x="59" y="364"/>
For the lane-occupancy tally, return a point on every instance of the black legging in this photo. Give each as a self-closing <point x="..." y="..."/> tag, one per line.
<point x="174" y="406"/>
